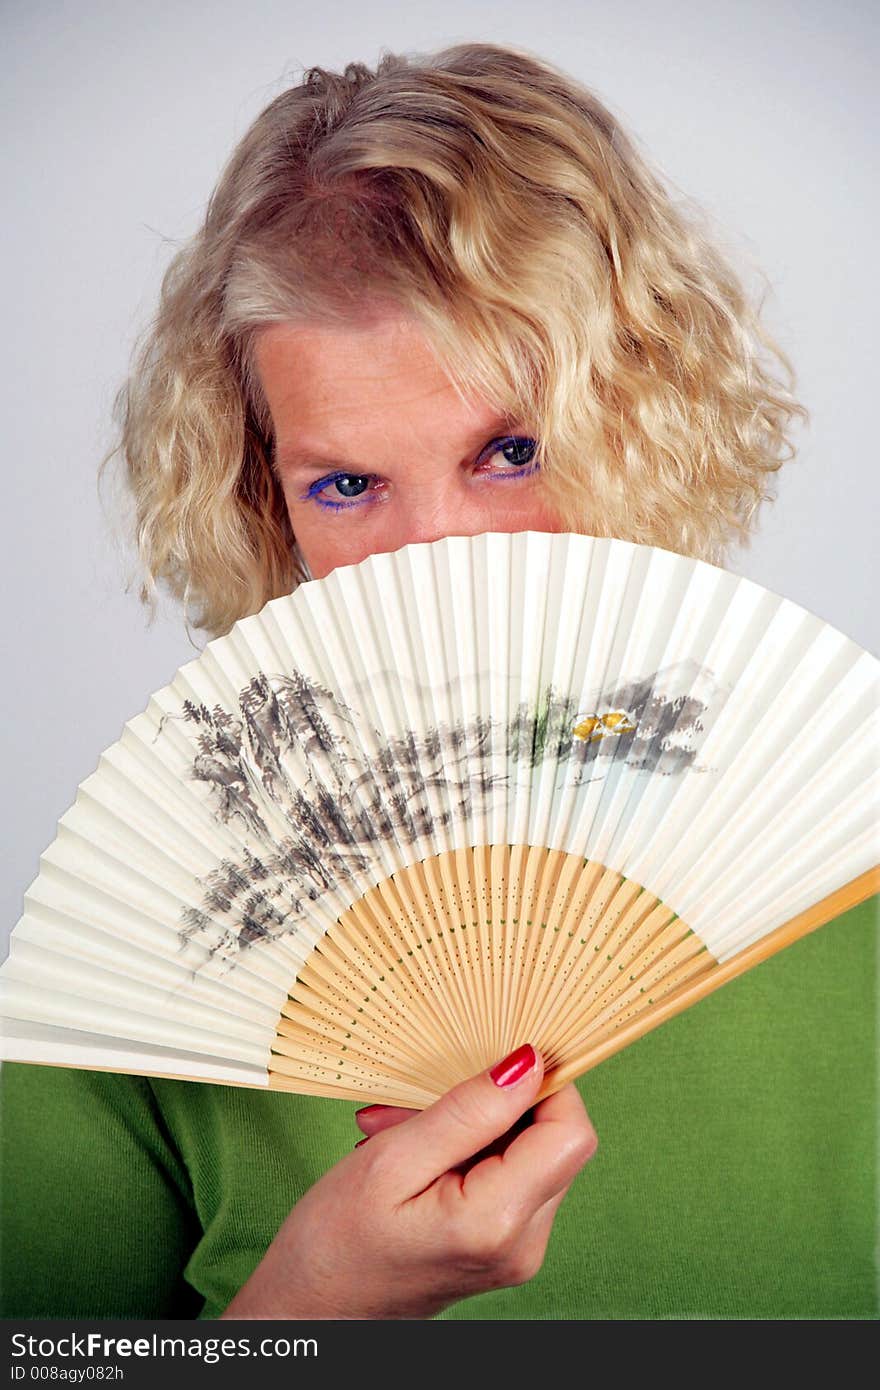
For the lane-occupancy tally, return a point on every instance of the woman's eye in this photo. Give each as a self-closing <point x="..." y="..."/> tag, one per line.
<point x="515" y="450"/>
<point x="351" y="484"/>
<point x="342" y="491"/>
<point x="334" y="491"/>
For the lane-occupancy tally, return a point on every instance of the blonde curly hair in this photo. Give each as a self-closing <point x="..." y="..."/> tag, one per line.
<point x="493" y="200"/>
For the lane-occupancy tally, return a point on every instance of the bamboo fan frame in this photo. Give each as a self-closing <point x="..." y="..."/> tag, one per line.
<point x="613" y="963"/>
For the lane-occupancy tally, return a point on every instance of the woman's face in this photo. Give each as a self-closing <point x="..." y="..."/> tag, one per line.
<point x="375" y="449"/>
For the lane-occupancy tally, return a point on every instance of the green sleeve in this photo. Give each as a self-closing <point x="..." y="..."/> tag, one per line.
<point x="96" y="1214"/>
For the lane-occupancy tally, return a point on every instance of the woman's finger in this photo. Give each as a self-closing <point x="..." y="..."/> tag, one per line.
<point x="462" y="1122"/>
<point x="542" y="1161"/>
<point x="374" y="1118"/>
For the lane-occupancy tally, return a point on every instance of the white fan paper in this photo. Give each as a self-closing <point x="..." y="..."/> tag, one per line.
<point x="473" y="793"/>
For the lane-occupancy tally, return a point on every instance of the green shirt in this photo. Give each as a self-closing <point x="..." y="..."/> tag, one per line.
<point x="735" y="1177"/>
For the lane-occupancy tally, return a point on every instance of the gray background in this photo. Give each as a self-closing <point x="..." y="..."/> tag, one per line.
<point x="117" y="118"/>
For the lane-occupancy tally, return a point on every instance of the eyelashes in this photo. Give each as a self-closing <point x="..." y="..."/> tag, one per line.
<point x="352" y="487"/>
<point x="342" y="481"/>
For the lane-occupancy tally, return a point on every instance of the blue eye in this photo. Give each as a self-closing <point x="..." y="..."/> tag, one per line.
<point x="518" y="453"/>
<point x="350" y="484"/>
<point x="520" y="447"/>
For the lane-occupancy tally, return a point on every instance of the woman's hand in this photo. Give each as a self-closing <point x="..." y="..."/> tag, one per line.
<point x="439" y="1204"/>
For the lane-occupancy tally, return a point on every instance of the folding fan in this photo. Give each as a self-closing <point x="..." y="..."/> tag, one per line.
<point x="473" y="793"/>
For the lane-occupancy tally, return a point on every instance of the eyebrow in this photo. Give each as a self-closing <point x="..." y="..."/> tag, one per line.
<point x="290" y="457"/>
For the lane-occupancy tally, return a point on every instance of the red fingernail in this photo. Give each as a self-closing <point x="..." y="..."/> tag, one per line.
<point x="514" y="1067"/>
<point x="365" y="1109"/>
<point x="361" y="1141"/>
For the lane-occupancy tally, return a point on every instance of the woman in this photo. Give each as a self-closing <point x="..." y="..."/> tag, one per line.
<point x="448" y="298"/>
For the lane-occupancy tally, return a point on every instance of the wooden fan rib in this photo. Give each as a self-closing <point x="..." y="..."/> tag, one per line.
<point x="495" y="1039"/>
<point x="396" y="916"/>
<point x="303" y="1048"/>
<point x="416" y="916"/>
<point x="523" y="867"/>
<point x="599" y="889"/>
<point x="604" y="910"/>
<point x="338" y="979"/>
<point x="494" y="930"/>
<point x="297" y="1043"/>
<point x="621" y="911"/>
<point x="687" y="960"/>
<point x="849" y="895"/>
<point x="413" y="955"/>
<point x="475" y="862"/>
<point x="520" y="868"/>
<point x="627" y="905"/>
<point x="369" y="1014"/>
<point x="446" y="894"/>
<point x="554" y="909"/>
<point x="282" y="1078"/>
<point x="646" y="957"/>
<point x="632" y="923"/>
<point x="360" y="1028"/>
<point x="499" y="875"/>
<point x="316" y="1030"/>
<point x="607" y="952"/>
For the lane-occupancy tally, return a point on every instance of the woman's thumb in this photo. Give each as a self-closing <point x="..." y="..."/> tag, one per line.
<point x="468" y="1118"/>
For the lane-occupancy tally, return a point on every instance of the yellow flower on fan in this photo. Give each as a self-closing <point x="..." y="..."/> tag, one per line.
<point x="603" y="725"/>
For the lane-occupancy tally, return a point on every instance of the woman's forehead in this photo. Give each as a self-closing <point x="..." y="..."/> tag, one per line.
<point x="317" y="375"/>
<point x="374" y="336"/>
